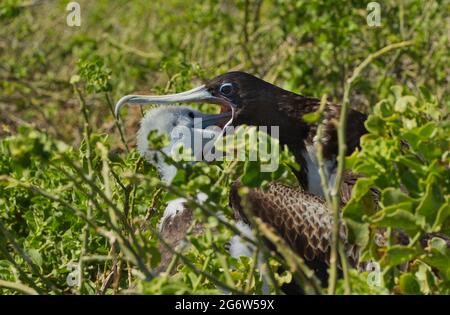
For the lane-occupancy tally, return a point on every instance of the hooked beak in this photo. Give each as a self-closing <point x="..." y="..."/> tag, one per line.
<point x="197" y="95"/>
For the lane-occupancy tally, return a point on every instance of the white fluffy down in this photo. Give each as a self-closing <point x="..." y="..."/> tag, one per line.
<point x="238" y="247"/>
<point x="314" y="185"/>
<point x="175" y="206"/>
<point x="164" y="120"/>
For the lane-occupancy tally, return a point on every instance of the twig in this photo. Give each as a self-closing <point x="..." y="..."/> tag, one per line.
<point x="296" y="264"/>
<point x="107" y="283"/>
<point x="17" y="286"/>
<point x="130" y="207"/>
<point x="206" y="211"/>
<point x="194" y="202"/>
<point x="116" y="211"/>
<point x="105" y="174"/>
<point x="345" y="269"/>
<point x="136" y="259"/>
<point x="201" y="277"/>
<point x="324" y="181"/>
<point x="226" y="270"/>
<point x="419" y="21"/>
<point x="87" y="137"/>
<point x="252" y="270"/>
<point x="22" y="275"/>
<point x="117" y="122"/>
<point x="24" y="256"/>
<point x="319" y="150"/>
<point x="266" y="255"/>
<point x="341" y="158"/>
<point x="189" y="264"/>
<point x="122" y="239"/>
<point x="245" y="44"/>
<point x="130" y="49"/>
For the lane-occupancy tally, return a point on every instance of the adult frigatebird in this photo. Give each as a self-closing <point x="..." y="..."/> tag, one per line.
<point x="252" y="101"/>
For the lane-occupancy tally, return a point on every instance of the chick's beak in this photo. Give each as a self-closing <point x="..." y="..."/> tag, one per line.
<point x="219" y="120"/>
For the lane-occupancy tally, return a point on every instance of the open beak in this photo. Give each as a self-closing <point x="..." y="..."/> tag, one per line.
<point x="197" y="95"/>
<point x="216" y="120"/>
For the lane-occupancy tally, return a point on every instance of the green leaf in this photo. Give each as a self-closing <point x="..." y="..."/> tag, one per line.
<point x="408" y="284"/>
<point x="74" y="79"/>
<point x="401" y="105"/>
<point x="439" y="256"/>
<point x="311" y="117"/>
<point x="351" y="160"/>
<point x="409" y="123"/>
<point x="440" y="245"/>
<point x="425" y="277"/>
<point x="428" y="130"/>
<point x="397" y="255"/>
<point x="396" y="217"/>
<point x="383" y="109"/>
<point x="157" y="140"/>
<point x="391" y="196"/>
<point x="397" y="90"/>
<point x="358" y="233"/>
<point x="426" y="94"/>
<point x="361" y="187"/>
<point x="430" y="203"/>
<point x="35" y="256"/>
<point x="411" y="163"/>
<point x="375" y="125"/>
<point x="443" y="214"/>
<point x="252" y="174"/>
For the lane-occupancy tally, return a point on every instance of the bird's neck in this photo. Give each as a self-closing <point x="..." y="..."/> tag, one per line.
<point x="308" y="175"/>
<point x="298" y="138"/>
<point x="314" y="183"/>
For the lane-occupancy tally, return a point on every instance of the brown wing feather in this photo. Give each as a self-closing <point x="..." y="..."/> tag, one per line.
<point x="302" y="219"/>
<point x="296" y="107"/>
<point x="173" y="231"/>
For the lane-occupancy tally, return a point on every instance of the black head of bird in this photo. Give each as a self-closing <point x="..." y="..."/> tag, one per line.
<point x="248" y="99"/>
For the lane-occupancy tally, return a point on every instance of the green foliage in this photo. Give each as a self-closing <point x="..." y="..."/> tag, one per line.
<point x="254" y="167"/>
<point x="95" y="74"/>
<point x="38" y="167"/>
<point x="405" y="157"/>
<point x="9" y="9"/>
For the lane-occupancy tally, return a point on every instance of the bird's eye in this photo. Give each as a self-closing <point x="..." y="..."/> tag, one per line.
<point x="191" y="115"/>
<point x="226" y="89"/>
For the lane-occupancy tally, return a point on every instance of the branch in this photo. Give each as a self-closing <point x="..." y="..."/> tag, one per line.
<point x="17" y="286"/>
<point x="341" y="158"/>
